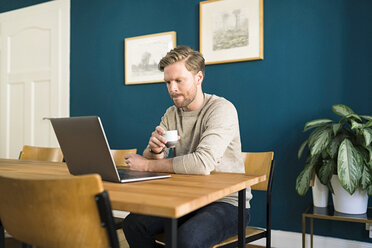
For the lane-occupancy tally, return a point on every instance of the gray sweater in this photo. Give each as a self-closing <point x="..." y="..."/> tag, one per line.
<point x="210" y="140"/>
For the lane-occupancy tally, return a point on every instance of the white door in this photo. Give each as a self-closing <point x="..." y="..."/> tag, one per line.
<point x="34" y="74"/>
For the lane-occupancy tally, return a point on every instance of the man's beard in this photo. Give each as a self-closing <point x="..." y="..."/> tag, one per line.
<point x="186" y="102"/>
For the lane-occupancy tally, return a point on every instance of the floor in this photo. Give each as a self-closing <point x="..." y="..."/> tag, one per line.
<point x="11" y="243"/>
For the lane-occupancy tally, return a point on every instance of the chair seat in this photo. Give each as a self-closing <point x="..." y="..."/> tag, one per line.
<point x="118" y="222"/>
<point x="249" y="232"/>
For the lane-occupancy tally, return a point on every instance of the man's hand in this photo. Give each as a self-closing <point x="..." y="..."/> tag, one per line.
<point x="157" y="141"/>
<point x="137" y="162"/>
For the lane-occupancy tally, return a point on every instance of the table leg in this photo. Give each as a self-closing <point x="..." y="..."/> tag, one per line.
<point x="311" y="231"/>
<point x="2" y="236"/>
<point x="303" y="231"/>
<point x="241" y="218"/>
<point x="171" y="232"/>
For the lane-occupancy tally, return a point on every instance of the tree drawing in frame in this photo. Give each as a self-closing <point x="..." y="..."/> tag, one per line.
<point x="231" y="30"/>
<point x="142" y="55"/>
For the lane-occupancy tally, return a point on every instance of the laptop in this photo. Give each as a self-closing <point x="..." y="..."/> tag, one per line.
<point x="86" y="150"/>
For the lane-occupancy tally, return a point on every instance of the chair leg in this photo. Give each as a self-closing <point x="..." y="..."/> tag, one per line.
<point x="2" y="236"/>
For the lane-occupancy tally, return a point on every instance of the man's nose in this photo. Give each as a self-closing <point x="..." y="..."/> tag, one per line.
<point x="173" y="87"/>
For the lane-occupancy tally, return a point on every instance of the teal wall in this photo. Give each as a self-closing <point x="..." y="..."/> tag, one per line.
<point x="317" y="53"/>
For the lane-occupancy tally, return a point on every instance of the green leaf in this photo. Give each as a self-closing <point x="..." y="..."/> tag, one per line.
<point x="367" y="117"/>
<point x="326" y="171"/>
<point x="319" y="139"/>
<point x="334" y="144"/>
<point x="366" y="179"/>
<point x="363" y="154"/>
<point x="356" y="125"/>
<point x="342" y="110"/>
<point x="336" y="127"/>
<point x="369" y="164"/>
<point x="316" y="123"/>
<point x="348" y="170"/>
<point x="368" y="124"/>
<point x="302" y="147"/>
<point x="355" y="116"/>
<point x="369" y="190"/>
<point x="369" y="148"/>
<point x="367" y="133"/>
<point x="303" y="180"/>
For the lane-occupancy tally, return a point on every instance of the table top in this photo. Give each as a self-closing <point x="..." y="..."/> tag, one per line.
<point x="330" y="214"/>
<point x="169" y="197"/>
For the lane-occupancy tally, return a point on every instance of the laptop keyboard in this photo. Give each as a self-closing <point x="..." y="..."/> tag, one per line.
<point x="131" y="174"/>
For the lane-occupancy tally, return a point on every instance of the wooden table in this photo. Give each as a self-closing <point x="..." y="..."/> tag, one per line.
<point x="170" y="197"/>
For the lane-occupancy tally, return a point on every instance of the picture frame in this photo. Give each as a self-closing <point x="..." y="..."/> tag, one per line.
<point x="231" y="30"/>
<point x="142" y="55"/>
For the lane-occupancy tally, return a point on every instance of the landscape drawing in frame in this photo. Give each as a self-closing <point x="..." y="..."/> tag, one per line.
<point x="231" y="30"/>
<point x="142" y="55"/>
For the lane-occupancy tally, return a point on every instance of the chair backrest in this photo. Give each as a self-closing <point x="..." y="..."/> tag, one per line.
<point x="50" y="154"/>
<point x="118" y="156"/>
<point x="56" y="212"/>
<point x="258" y="163"/>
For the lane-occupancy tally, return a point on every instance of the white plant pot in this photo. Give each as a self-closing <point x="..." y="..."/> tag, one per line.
<point x="320" y="194"/>
<point x="344" y="202"/>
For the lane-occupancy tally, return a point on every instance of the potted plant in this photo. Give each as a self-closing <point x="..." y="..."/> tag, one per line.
<point x="342" y="148"/>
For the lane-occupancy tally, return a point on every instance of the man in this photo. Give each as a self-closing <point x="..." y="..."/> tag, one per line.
<point x="209" y="141"/>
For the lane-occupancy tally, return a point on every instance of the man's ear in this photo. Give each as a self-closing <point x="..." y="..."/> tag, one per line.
<point x="199" y="77"/>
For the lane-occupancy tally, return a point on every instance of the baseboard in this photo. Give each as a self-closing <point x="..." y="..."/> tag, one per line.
<point x="120" y="214"/>
<point x="283" y="239"/>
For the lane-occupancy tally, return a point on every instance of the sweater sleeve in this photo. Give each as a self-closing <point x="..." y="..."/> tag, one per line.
<point x="220" y="125"/>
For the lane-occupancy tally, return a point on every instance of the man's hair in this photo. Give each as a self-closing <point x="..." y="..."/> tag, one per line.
<point x="194" y="61"/>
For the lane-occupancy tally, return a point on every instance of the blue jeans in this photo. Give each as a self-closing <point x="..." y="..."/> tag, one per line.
<point x="202" y="228"/>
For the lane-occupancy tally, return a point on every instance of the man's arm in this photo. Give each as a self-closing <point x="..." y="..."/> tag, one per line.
<point x="137" y="162"/>
<point x="162" y="165"/>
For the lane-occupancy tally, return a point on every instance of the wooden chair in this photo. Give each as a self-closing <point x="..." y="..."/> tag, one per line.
<point x="41" y="154"/>
<point x="57" y="212"/>
<point x="257" y="164"/>
<point x="118" y="156"/>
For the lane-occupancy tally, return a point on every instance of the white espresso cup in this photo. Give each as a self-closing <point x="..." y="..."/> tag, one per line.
<point x="172" y="138"/>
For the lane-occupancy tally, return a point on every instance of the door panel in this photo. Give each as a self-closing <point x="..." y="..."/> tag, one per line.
<point x="16" y="112"/>
<point x="35" y="53"/>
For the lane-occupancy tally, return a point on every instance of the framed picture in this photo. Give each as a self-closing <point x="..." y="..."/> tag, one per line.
<point x="231" y="30"/>
<point x="142" y="55"/>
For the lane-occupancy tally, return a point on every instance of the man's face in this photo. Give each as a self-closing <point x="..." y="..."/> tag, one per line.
<point x="182" y="85"/>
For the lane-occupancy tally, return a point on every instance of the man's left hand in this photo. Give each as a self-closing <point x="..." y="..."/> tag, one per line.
<point x="137" y="162"/>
